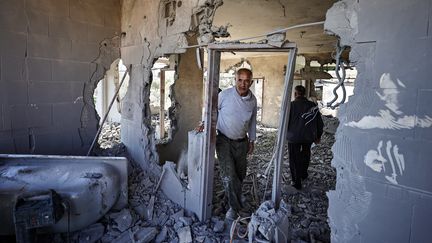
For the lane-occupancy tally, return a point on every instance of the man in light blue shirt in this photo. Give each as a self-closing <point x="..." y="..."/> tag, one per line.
<point x="236" y="134"/>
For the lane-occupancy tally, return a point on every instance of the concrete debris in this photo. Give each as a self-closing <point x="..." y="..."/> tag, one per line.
<point x="170" y="223"/>
<point x="219" y="226"/>
<point x="162" y="235"/>
<point x="92" y="234"/>
<point x="331" y="124"/>
<point x="144" y="235"/>
<point x="184" y="234"/>
<point x="110" y="135"/>
<point x="123" y="219"/>
<point x="311" y="202"/>
<point x="268" y="221"/>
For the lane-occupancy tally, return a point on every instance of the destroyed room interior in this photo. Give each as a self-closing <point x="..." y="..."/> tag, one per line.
<point x="118" y="124"/>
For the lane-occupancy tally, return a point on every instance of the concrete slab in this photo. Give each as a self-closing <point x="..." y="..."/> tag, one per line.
<point x="11" y="6"/>
<point x="39" y="115"/>
<point x="421" y="217"/>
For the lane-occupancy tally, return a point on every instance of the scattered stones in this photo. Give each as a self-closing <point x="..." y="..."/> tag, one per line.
<point x="307" y="220"/>
<point x="144" y="235"/>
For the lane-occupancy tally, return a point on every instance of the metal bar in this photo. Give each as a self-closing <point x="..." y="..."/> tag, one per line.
<point x="210" y="119"/>
<point x="106" y="114"/>
<point x="283" y="126"/>
<point x="252" y="47"/>
<point x="162" y="105"/>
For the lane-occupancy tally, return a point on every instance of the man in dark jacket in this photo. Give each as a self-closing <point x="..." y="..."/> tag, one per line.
<point x="305" y="127"/>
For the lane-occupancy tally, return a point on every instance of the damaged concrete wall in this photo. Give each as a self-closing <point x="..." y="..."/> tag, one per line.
<point x="49" y="63"/>
<point x="383" y="145"/>
<point x="272" y="69"/>
<point x="188" y="97"/>
<point x="152" y="29"/>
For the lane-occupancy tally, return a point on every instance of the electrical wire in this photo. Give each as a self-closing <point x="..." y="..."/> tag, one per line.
<point x="339" y="67"/>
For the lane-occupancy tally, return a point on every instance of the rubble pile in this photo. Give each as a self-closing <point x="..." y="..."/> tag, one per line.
<point x="110" y="135"/>
<point x="151" y="217"/>
<point x="308" y="219"/>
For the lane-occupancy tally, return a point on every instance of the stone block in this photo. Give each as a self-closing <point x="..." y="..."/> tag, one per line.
<point x="112" y="17"/>
<point x="18" y="114"/>
<point x="67" y="115"/>
<point x="39" y="115"/>
<point x="7" y="145"/>
<point x="11" y="6"/>
<point x="84" y="51"/>
<point x="87" y="11"/>
<point x="12" y="68"/>
<point x="77" y="91"/>
<point x="49" y="47"/>
<point x="39" y="69"/>
<point x="70" y="71"/>
<point x="51" y="7"/>
<point x="49" y="92"/>
<point x="38" y="22"/>
<point x="13" y="93"/>
<point x="53" y="142"/>
<point x="401" y="20"/>
<point x="5" y="121"/>
<point x="14" y="21"/>
<point x="66" y="28"/>
<point x="98" y="33"/>
<point x="12" y="44"/>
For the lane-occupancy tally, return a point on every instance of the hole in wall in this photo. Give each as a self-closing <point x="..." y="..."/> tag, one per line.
<point x="103" y="95"/>
<point x="160" y="99"/>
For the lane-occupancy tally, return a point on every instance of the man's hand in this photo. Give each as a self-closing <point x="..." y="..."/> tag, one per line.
<point x="251" y="147"/>
<point x="200" y="127"/>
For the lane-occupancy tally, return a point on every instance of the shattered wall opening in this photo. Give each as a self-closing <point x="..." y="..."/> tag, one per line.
<point x="103" y="96"/>
<point x="161" y="99"/>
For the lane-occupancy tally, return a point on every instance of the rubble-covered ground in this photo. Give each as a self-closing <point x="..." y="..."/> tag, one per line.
<point x="151" y="217"/>
<point x="308" y="219"/>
